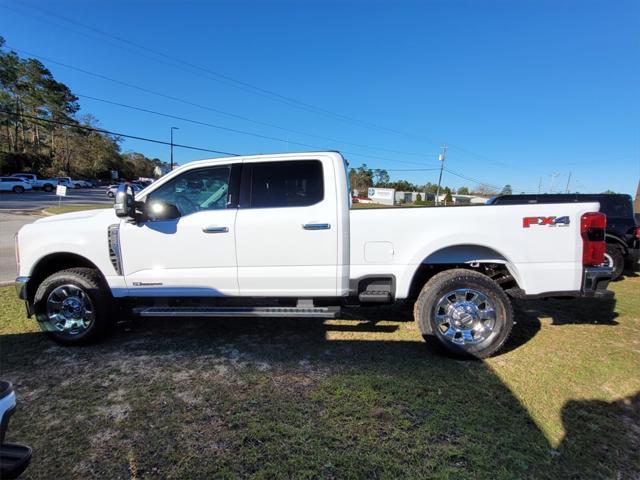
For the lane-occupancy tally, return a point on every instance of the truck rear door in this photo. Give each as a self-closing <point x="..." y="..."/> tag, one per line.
<point x="286" y="228"/>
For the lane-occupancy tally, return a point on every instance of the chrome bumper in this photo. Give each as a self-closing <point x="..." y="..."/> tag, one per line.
<point x="595" y="281"/>
<point x="21" y="287"/>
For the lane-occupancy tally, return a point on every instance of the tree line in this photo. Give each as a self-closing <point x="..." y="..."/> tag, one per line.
<point x="363" y="177"/>
<point x="41" y="129"/>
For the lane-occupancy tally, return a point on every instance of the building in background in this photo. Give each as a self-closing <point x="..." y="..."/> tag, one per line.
<point x="411" y="197"/>
<point x="464" y="199"/>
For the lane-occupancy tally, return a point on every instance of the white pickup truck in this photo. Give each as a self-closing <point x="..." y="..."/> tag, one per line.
<point x="37" y="183"/>
<point x="275" y="235"/>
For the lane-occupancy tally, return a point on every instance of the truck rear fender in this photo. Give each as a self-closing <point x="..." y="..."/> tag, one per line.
<point x="456" y="256"/>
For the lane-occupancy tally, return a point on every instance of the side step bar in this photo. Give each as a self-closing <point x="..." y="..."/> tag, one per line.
<point x="300" y="312"/>
<point x="373" y="296"/>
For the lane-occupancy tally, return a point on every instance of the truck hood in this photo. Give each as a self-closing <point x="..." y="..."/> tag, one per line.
<point x="83" y="215"/>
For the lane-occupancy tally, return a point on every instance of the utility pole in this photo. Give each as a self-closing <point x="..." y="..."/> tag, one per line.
<point x="171" y="163"/>
<point x="552" y="178"/>
<point x="540" y="186"/>
<point x="568" y="180"/>
<point x="441" y="157"/>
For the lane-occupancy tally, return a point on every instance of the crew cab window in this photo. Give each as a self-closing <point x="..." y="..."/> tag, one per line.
<point x="196" y="190"/>
<point x="286" y="184"/>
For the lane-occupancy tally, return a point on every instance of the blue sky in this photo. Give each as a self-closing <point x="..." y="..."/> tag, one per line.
<point x="520" y="90"/>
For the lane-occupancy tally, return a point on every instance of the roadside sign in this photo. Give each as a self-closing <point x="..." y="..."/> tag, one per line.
<point x="61" y="191"/>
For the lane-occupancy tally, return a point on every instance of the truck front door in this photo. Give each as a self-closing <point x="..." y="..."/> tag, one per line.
<point x="193" y="255"/>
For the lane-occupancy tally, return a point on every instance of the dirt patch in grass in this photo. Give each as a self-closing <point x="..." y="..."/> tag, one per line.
<point x="358" y="397"/>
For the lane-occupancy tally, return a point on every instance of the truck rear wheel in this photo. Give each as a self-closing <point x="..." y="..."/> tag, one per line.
<point x="72" y="306"/>
<point x="464" y="313"/>
<point x="47" y="187"/>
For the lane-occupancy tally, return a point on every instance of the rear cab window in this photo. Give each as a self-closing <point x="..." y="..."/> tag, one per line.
<point x="297" y="183"/>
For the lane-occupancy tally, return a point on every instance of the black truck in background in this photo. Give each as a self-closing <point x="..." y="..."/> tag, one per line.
<point x="622" y="235"/>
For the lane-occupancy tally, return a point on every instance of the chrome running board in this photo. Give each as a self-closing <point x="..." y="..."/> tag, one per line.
<point x="301" y="312"/>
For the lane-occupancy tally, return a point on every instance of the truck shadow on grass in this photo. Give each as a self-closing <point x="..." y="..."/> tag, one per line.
<point x="293" y="398"/>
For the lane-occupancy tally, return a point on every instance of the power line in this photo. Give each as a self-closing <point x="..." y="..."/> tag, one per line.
<point x="411" y="169"/>
<point x="219" y="77"/>
<point x="242" y="85"/>
<point x="117" y="134"/>
<point x="187" y="102"/>
<point x="471" y="179"/>
<point x="234" y="130"/>
<point x="190" y="147"/>
<point x="235" y="115"/>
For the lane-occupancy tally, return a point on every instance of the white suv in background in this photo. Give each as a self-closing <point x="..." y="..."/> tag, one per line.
<point x="14" y="184"/>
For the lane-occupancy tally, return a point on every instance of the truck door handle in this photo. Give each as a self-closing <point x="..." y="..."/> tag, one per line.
<point x="316" y="226"/>
<point x="215" y="229"/>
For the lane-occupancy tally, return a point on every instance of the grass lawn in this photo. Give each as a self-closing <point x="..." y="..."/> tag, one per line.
<point x="359" y="397"/>
<point x="74" y="208"/>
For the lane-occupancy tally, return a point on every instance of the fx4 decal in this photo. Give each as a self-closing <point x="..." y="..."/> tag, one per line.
<point x="551" y="221"/>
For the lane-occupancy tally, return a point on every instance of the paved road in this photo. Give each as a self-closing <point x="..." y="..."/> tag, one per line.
<point x="37" y="200"/>
<point x="9" y="225"/>
<point x="17" y="210"/>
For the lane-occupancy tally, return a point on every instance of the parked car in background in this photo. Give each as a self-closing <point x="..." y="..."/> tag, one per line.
<point x="111" y="191"/>
<point x="622" y="232"/>
<point x="67" y="182"/>
<point x="14" y="184"/>
<point x="14" y="458"/>
<point x="70" y="183"/>
<point x="37" y="183"/>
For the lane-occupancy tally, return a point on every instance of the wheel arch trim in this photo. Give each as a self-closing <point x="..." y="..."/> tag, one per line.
<point x="55" y="262"/>
<point x="463" y="254"/>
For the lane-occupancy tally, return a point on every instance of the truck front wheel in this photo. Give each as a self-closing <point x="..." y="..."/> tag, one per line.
<point x="464" y="313"/>
<point x="72" y="306"/>
<point x="47" y="187"/>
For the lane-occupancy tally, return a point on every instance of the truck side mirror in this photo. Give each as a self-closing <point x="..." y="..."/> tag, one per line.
<point x="156" y="210"/>
<point x="125" y="201"/>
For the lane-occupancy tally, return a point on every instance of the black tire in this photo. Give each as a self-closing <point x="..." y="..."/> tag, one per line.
<point x="92" y="285"/>
<point x="479" y="286"/>
<point x="48" y="188"/>
<point x="614" y="258"/>
<point x="18" y="189"/>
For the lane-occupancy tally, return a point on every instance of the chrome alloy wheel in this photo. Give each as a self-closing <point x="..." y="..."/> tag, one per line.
<point x="465" y="316"/>
<point x="608" y="261"/>
<point x="69" y="310"/>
